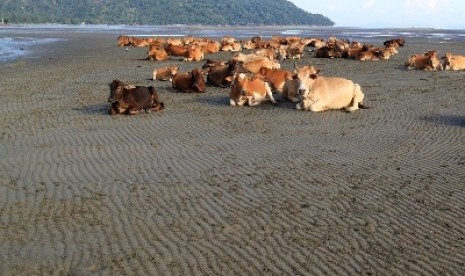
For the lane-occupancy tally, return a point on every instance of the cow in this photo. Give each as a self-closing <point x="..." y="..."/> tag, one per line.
<point x="453" y="62"/>
<point x="276" y="77"/>
<point x="130" y="99"/>
<point x="165" y="73"/>
<point x="175" y="50"/>
<point x="427" y="61"/>
<point x="157" y="53"/>
<point x="209" y="63"/>
<point x="255" y="65"/>
<point x="123" y="41"/>
<point x="397" y="42"/>
<point x="211" y="47"/>
<point x="231" y="47"/>
<point x="223" y="75"/>
<point x="321" y="93"/>
<point x="189" y="81"/>
<point x="295" y="51"/>
<point x="194" y="53"/>
<point x="291" y="86"/>
<point x="251" y="91"/>
<point x="369" y="55"/>
<point x="327" y="52"/>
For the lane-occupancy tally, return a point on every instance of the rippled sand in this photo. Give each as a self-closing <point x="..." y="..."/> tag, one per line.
<point x="203" y="188"/>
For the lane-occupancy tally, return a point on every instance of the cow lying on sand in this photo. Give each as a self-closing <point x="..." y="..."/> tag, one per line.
<point x="427" y="61"/>
<point x="248" y="90"/>
<point x="320" y="94"/>
<point x="453" y="62"/>
<point x="165" y="73"/>
<point x="130" y="99"/>
<point x="189" y="81"/>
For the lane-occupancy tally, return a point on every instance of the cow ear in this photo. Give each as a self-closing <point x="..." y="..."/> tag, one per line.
<point x="294" y="76"/>
<point x="313" y="76"/>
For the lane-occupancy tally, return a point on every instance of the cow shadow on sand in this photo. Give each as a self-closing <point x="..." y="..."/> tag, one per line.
<point x="223" y="100"/>
<point x="450" y="120"/>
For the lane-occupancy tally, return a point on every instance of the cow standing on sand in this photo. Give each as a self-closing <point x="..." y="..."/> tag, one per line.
<point x="130" y="99"/>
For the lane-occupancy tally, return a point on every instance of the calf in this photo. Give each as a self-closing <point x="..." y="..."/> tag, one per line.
<point x="453" y="62"/>
<point x="165" y="73"/>
<point x="189" y="82"/>
<point x="130" y="99"/>
<point x="252" y="91"/>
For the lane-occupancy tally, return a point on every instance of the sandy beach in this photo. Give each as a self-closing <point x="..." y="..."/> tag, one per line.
<point x="202" y="188"/>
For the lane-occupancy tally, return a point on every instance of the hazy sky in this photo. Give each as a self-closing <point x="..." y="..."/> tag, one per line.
<point x="392" y="13"/>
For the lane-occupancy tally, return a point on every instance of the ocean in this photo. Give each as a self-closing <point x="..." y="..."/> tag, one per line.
<point x="22" y="44"/>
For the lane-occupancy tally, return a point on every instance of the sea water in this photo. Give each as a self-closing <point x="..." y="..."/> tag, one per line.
<point x="16" y="47"/>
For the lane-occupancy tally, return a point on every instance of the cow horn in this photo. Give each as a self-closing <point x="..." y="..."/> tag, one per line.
<point x="295" y="66"/>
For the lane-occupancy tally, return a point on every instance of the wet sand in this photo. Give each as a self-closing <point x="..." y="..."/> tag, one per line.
<point x="202" y="188"/>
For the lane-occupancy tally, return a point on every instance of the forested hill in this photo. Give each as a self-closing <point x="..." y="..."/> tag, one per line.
<point x="158" y="12"/>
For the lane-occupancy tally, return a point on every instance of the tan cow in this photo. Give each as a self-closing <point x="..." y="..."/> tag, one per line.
<point x="176" y="50"/>
<point x="251" y="91"/>
<point x="453" y="62"/>
<point x="194" y="53"/>
<point x="255" y="65"/>
<point x="165" y="73"/>
<point x="291" y="86"/>
<point x="427" y="61"/>
<point x="320" y="94"/>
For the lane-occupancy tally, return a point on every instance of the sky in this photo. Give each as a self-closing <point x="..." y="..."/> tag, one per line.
<point x="440" y="14"/>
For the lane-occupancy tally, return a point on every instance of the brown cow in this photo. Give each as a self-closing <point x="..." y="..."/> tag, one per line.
<point x="175" y="50"/>
<point x="189" y="81"/>
<point x="276" y="77"/>
<point x="165" y="73"/>
<point x="427" y="61"/>
<point x="222" y="76"/>
<point x="453" y="62"/>
<point x="252" y="91"/>
<point x="213" y="63"/>
<point x="130" y="99"/>
<point x="157" y="53"/>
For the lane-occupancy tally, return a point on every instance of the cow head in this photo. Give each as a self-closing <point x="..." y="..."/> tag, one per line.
<point x="116" y="90"/>
<point x="198" y="82"/>
<point x="305" y="76"/>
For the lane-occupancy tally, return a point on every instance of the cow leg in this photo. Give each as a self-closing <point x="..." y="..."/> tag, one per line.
<point x="133" y="111"/>
<point x="269" y="94"/>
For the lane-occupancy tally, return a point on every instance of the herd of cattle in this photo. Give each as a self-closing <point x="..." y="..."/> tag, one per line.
<point x="252" y="78"/>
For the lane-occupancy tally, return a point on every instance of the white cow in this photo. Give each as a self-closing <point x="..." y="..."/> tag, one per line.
<point x="320" y="94"/>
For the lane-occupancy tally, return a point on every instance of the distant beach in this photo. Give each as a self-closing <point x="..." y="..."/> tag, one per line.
<point x="203" y="188"/>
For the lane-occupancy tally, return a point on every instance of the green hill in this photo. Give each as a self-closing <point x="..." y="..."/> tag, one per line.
<point x="157" y="12"/>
